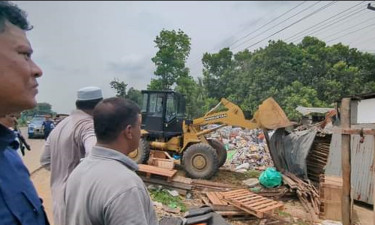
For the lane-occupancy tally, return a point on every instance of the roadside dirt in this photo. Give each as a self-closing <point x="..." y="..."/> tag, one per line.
<point x="292" y="210"/>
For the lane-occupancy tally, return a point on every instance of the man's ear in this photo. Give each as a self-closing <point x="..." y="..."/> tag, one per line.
<point x="128" y="132"/>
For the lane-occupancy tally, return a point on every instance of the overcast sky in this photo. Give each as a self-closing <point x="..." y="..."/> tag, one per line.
<point x="80" y="44"/>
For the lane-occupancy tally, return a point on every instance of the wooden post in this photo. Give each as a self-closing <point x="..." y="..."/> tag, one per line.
<point x="345" y="162"/>
<point x="373" y="184"/>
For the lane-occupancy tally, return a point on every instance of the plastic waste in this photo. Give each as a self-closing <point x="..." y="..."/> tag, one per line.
<point x="270" y="178"/>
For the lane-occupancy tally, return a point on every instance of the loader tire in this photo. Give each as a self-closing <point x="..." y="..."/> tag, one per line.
<point x="220" y="150"/>
<point x="200" y="161"/>
<point x="141" y="154"/>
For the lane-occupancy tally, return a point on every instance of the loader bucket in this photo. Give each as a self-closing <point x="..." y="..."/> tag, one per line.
<point x="270" y="115"/>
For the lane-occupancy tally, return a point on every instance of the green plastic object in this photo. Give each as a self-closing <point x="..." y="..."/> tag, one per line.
<point x="270" y="178"/>
<point x="230" y="154"/>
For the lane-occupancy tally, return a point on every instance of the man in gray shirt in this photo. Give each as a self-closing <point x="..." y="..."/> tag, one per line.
<point x="104" y="188"/>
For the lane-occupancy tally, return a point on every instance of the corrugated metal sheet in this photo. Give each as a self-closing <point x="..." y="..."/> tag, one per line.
<point x="362" y="155"/>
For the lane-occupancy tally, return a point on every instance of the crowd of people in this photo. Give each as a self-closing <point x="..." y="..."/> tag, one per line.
<point x="92" y="179"/>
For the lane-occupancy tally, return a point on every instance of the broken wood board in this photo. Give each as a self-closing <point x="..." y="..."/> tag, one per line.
<point x="156" y="170"/>
<point x="210" y="185"/>
<point x="330" y="189"/>
<point x="252" y="203"/>
<point x="216" y="198"/>
<point x="161" y="163"/>
<point x="171" y="184"/>
<point x="182" y="179"/>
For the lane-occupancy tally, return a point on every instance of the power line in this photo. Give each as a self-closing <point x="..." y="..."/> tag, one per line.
<point x="343" y="30"/>
<point x="307" y="16"/>
<point x="308" y="7"/>
<point x="335" y="22"/>
<point x="322" y="22"/>
<point x="195" y="61"/>
<point x="272" y="20"/>
<point x="351" y="32"/>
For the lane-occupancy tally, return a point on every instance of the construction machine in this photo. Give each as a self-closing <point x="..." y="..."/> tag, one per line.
<point x="164" y="128"/>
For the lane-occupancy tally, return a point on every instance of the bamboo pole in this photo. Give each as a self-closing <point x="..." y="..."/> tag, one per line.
<point x="345" y="162"/>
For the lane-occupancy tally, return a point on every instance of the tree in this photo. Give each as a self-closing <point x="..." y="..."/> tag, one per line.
<point x="132" y="93"/>
<point x="218" y="73"/>
<point x="174" y="48"/>
<point x="119" y="86"/>
<point x="307" y="74"/>
<point x="42" y="108"/>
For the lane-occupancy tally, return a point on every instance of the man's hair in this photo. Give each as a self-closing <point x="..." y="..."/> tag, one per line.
<point x="11" y="13"/>
<point x="112" y="115"/>
<point x="87" y="104"/>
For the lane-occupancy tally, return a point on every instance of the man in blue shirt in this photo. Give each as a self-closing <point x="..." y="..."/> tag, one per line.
<point x="47" y="126"/>
<point x="19" y="201"/>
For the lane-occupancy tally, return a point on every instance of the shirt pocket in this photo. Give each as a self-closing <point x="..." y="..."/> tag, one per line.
<point x="34" y="202"/>
<point x="31" y="210"/>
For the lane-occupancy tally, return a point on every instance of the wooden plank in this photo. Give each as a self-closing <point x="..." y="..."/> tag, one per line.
<point x="345" y="161"/>
<point x="264" y="204"/>
<point x="205" y="200"/>
<point x="182" y="179"/>
<point x="373" y="180"/>
<point x="264" y="201"/>
<point x="350" y="131"/>
<point x="156" y="170"/>
<point x="239" y="198"/>
<point x="225" y="208"/>
<point x="232" y="213"/>
<point x="168" y="184"/>
<point x="235" y="192"/>
<point x="214" y="199"/>
<point x="278" y="206"/>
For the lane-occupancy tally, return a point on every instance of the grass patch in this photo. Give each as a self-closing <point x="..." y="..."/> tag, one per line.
<point x="234" y="178"/>
<point x="167" y="199"/>
<point x="252" y="174"/>
<point x="283" y="214"/>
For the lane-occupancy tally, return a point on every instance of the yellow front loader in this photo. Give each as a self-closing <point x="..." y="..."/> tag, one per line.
<point x="164" y="128"/>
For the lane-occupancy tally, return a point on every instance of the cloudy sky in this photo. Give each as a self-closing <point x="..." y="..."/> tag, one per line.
<point x="80" y="44"/>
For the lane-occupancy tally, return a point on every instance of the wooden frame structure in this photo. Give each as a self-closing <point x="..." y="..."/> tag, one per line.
<point x="346" y="131"/>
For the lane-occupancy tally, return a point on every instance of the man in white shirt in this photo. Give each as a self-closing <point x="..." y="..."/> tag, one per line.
<point x="68" y="143"/>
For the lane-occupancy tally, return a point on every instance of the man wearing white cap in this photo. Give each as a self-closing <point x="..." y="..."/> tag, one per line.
<point x="69" y="142"/>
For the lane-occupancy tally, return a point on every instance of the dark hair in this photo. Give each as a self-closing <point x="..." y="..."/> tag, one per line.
<point x="112" y="115"/>
<point x="11" y="13"/>
<point x="87" y="104"/>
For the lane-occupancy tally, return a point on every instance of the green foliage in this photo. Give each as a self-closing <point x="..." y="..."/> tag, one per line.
<point x="41" y="108"/>
<point x="167" y="199"/>
<point x="309" y="74"/>
<point x="174" y="48"/>
<point x="132" y="94"/>
<point x="119" y="86"/>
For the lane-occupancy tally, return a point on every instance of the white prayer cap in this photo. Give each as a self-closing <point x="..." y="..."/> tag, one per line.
<point x="89" y="93"/>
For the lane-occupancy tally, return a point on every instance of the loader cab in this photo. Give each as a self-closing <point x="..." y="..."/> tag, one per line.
<point x="163" y="113"/>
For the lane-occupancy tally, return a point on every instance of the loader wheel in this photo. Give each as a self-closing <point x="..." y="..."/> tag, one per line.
<point x="141" y="154"/>
<point x="200" y="161"/>
<point x="220" y="150"/>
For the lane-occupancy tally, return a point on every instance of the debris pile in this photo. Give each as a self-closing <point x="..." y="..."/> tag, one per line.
<point x="247" y="149"/>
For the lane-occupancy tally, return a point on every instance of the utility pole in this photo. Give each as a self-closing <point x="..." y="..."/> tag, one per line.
<point x="370" y="7"/>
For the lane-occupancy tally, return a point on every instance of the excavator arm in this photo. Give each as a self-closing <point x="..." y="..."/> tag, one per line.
<point x="269" y="116"/>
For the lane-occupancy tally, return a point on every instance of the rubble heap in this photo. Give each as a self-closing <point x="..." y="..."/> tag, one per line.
<point x="247" y="149"/>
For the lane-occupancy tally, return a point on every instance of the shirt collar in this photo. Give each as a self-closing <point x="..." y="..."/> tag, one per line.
<point x="108" y="153"/>
<point x="6" y="137"/>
